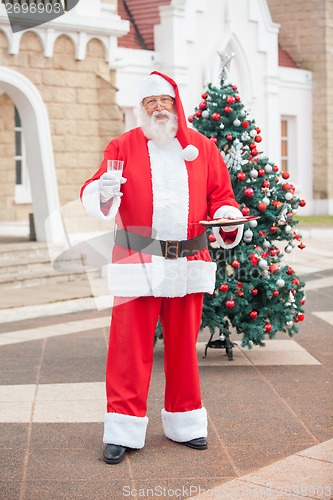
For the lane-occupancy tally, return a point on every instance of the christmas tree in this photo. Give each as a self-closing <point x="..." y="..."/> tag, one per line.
<point x="255" y="292"/>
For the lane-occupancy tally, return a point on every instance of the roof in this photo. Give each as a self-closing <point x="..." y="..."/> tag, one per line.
<point x="285" y="59"/>
<point x="143" y="15"/>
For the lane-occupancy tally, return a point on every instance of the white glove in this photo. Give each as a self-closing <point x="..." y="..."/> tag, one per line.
<point x="227" y="212"/>
<point x="109" y="186"/>
<point x="232" y="215"/>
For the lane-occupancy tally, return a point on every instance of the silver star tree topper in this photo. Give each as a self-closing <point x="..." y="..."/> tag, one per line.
<point x="226" y="56"/>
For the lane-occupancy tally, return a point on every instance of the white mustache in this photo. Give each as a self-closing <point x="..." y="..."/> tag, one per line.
<point x="164" y="112"/>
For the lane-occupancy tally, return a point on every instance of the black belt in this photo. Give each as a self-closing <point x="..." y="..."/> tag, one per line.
<point x="169" y="249"/>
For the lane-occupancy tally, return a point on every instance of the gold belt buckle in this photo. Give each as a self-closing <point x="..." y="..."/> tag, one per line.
<point x="171" y="249"/>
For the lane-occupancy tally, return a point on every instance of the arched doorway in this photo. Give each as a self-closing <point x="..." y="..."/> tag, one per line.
<point x="39" y="152"/>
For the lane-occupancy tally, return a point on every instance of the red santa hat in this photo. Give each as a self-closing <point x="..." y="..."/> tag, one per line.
<point x="158" y="84"/>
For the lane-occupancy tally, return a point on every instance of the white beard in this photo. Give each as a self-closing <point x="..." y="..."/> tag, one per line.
<point x="159" y="132"/>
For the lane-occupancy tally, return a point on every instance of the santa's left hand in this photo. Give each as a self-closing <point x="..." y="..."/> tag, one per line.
<point x="234" y="214"/>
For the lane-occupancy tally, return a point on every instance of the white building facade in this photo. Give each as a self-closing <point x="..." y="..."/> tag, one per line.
<point x="186" y="42"/>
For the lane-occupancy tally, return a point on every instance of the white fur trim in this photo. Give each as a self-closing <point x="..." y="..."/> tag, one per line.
<point x="170" y="191"/>
<point x="155" y="85"/>
<point x="224" y="212"/>
<point x="190" y="153"/>
<point x="91" y="202"/>
<point x="171" y="278"/>
<point x="184" y="426"/>
<point x="125" y="430"/>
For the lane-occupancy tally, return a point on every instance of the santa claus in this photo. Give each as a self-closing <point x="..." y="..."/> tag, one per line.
<point x="173" y="177"/>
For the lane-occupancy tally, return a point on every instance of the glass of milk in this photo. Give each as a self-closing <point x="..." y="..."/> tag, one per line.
<point x="115" y="166"/>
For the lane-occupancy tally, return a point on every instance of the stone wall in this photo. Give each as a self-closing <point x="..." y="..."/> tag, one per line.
<point x="307" y="34"/>
<point x="7" y="161"/>
<point x="80" y="100"/>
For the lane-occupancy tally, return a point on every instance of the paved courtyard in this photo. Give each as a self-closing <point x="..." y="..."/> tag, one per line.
<point x="270" y="409"/>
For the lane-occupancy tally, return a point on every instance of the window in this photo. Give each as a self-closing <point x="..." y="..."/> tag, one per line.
<point x="285" y="158"/>
<point x="22" y="191"/>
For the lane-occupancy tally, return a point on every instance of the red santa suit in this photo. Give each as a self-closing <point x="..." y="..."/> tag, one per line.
<point x="164" y="197"/>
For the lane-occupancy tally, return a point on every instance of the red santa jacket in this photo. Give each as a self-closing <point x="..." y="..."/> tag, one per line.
<point x="164" y="197"/>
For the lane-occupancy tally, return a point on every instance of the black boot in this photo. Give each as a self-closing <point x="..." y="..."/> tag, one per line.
<point x="197" y="444"/>
<point x="114" y="453"/>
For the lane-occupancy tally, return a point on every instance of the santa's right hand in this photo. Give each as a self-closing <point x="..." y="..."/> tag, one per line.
<point x="109" y="185"/>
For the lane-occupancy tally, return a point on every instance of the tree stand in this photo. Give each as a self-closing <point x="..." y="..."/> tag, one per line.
<point x="223" y="342"/>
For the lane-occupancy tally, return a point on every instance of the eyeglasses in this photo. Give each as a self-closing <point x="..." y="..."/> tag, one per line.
<point x="152" y="102"/>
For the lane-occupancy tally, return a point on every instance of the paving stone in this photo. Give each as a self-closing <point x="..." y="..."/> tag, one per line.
<point x="10" y="490"/>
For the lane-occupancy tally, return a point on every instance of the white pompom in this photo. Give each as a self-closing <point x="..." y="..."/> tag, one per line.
<point x="190" y="153"/>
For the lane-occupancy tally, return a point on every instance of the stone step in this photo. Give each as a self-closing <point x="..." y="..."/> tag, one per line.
<point x="34" y="279"/>
<point x="29" y="264"/>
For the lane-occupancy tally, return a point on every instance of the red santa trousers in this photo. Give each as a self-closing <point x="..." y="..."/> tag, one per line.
<point x="131" y="349"/>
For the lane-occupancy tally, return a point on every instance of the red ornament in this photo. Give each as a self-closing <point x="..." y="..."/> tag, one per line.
<point x="286" y="186"/>
<point x="213" y="139"/>
<point x="235" y="263"/>
<point x="203" y="105"/>
<point x="266" y="183"/>
<point x="303" y="302"/>
<point x="230" y="99"/>
<point x="224" y="287"/>
<point x="253" y="314"/>
<point x="273" y="229"/>
<point x="254" y="291"/>
<point x="234" y="87"/>
<point x="290" y="271"/>
<point x="258" y="138"/>
<point x="211" y="237"/>
<point x="237" y="98"/>
<point x="268" y="327"/>
<point x="216" y="116"/>
<point x="227" y="109"/>
<point x="261" y="206"/>
<point x="239" y="284"/>
<point x="254" y="259"/>
<point x="273" y="252"/>
<point x="241" y="176"/>
<point x="230" y="303"/>
<point x="285" y="175"/>
<point x="245" y="124"/>
<point x="248" y="192"/>
<point x="198" y="113"/>
<point x="276" y="293"/>
<point x="245" y="211"/>
<point x="273" y="268"/>
<point x="261" y="172"/>
<point x="258" y="130"/>
<point x="300" y="317"/>
<point x="190" y="118"/>
<point x="301" y="246"/>
<point x="295" y="281"/>
<point x="204" y="95"/>
<point x="276" y="168"/>
<point x="252" y="145"/>
<point x="255" y="152"/>
<point x="229" y="137"/>
<point x="240" y="293"/>
<point x="302" y="203"/>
